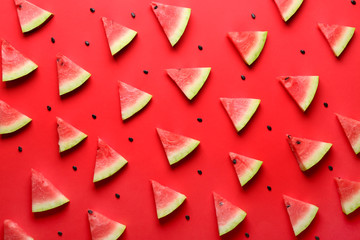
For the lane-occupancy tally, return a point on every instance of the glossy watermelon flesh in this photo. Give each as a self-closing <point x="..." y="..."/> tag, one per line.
<point x="173" y="20"/>
<point x="14" y="64"/>
<point x="245" y="167"/>
<point x="118" y="36"/>
<point x="288" y="8"/>
<point x="228" y="215"/>
<point x="249" y="44"/>
<point x="351" y="128"/>
<point x="12" y="231"/>
<point x="69" y="136"/>
<point x="103" y="228"/>
<point x="189" y="80"/>
<point x="108" y="161"/>
<point x="349" y="192"/>
<point x="337" y="36"/>
<point x="45" y="195"/>
<point x="301" y="214"/>
<point x="301" y="88"/>
<point x="166" y="199"/>
<point x="307" y="152"/>
<point x="11" y="119"/>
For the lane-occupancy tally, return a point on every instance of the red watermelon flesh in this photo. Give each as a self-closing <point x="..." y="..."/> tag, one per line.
<point x="14" y="64"/>
<point x="351" y="128"/>
<point x="227" y="214"/>
<point x="173" y="20"/>
<point x="245" y="167"/>
<point x="11" y="119"/>
<point x="301" y="213"/>
<point x="288" y="8"/>
<point x="103" y="228"/>
<point x="69" y="136"/>
<point x="349" y="192"/>
<point x="12" y="231"/>
<point x="45" y="195"/>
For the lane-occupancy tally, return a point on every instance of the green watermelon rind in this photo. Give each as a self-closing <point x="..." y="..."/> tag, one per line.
<point x="193" y="89"/>
<point x="122" y="41"/>
<point x="65" y="145"/>
<point x="354" y="145"/>
<point x="351" y="205"/>
<point x="25" y="69"/>
<point x="171" y="206"/>
<point x="74" y="83"/>
<point x="233" y="222"/>
<point x="259" y="47"/>
<point x="181" y="27"/>
<point x="183" y="152"/>
<point x="311" y="93"/>
<point x="140" y="104"/>
<point x="292" y="10"/>
<point x="110" y="170"/>
<point x="246" y="118"/>
<point x="250" y="173"/>
<point x="316" y="157"/>
<point x="21" y="122"/>
<point x="341" y="45"/>
<point x="306" y="221"/>
<point x="44" y="206"/>
<point x="36" y="22"/>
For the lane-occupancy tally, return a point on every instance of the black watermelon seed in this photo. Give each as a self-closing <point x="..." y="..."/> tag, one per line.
<point x="330" y="168"/>
<point x="93" y="116"/>
<point x="289" y="136"/>
<point x="133" y="15"/>
<point x="87" y="43"/>
<point x="353" y="2"/>
<point x="317" y="238"/>
<point x="243" y="77"/>
<point x="326" y="104"/>
<point x="131" y="139"/>
<point x="253" y="16"/>
<point x="199" y="120"/>
<point x="287" y="78"/>
<point x="92" y="10"/>
<point x="59" y="233"/>
<point x="155" y="7"/>
<point x="247" y="235"/>
<point x="199" y="172"/>
<point x="221" y="203"/>
<point x="74" y="168"/>
<point x="288" y="205"/>
<point x="52" y="40"/>
<point x="298" y="142"/>
<point x="268" y="188"/>
<point x="234" y="161"/>
<point x="269" y="127"/>
<point x="117" y="195"/>
<point x="20" y="6"/>
<point x="200" y="47"/>
<point x="146" y="71"/>
<point x="187" y="217"/>
<point x="90" y="211"/>
<point x="302" y="51"/>
<point x="19" y="149"/>
<point x="48" y="108"/>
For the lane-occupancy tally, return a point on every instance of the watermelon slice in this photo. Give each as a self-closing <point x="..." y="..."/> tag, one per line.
<point x="301" y="88"/>
<point x="45" y="195"/>
<point x="240" y="110"/>
<point x="176" y="146"/>
<point x="12" y="231"/>
<point x="337" y="36"/>
<point x="172" y="19"/>
<point x="103" y="228"/>
<point x="108" y="161"/>
<point x="118" y="36"/>
<point x="249" y="44"/>
<point x="132" y="100"/>
<point x="288" y="8"/>
<point x="307" y="152"/>
<point x="228" y="215"/>
<point x="189" y="80"/>
<point x="30" y="15"/>
<point x="166" y="199"/>
<point x="14" y="64"/>
<point x="70" y="75"/>
<point x="69" y="136"/>
<point x="349" y="192"/>
<point x="351" y="128"/>
<point x="301" y="213"/>
<point x="10" y="119"/>
<point x="245" y="167"/>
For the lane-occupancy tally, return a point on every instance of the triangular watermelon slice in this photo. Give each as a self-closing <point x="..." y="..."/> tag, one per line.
<point x="108" y="161"/>
<point x="12" y="231"/>
<point x="173" y="20"/>
<point x="118" y="36"/>
<point x="70" y="75"/>
<point x="69" y="136"/>
<point x="45" y="195"/>
<point x="189" y="80"/>
<point x="351" y="128"/>
<point x="301" y="213"/>
<point x="166" y="199"/>
<point x="30" y="15"/>
<point x="288" y="8"/>
<point x="11" y="119"/>
<point x="228" y="215"/>
<point x="104" y="228"/>
<point x="132" y="100"/>
<point x="176" y="146"/>
<point x="240" y="110"/>
<point x="337" y="36"/>
<point x="301" y="88"/>
<point x="245" y="167"/>
<point x="349" y="192"/>
<point x="249" y="44"/>
<point x="307" y="152"/>
<point x="14" y="64"/>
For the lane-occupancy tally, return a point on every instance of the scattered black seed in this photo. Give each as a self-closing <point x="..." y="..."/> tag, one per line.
<point x="243" y="77"/>
<point x="92" y="10"/>
<point x="90" y="211"/>
<point x="247" y="235"/>
<point x="59" y="233"/>
<point x="253" y="16"/>
<point x="234" y="161"/>
<point x="200" y="47"/>
<point x="199" y="172"/>
<point x="221" y="203"/>
<point x="330" y="168"/>
<point x="155" y="7"/>
<point x="87" y="43"/>
<point x="326" y="104"/>
<point x="353" y="2"/>
<point x="298" y="142"/>
<point x="19" y="149"/>
<point x="287" y="78"/>
<point x="268" y="188"/>
<point x="187" y="217"/>
<point x="131" y="139"/>
<point x="93" y="116"/>
<point x="302" y="51"/>
<point x="146" y="71"/>
<point x="133" y="15"/>
<point x="269" y="127"/>
<point x="117" y="195"/>
<point x="74" y="168"/>
<point x="48" y="108"/>
<point x="199" y="120"/>
<point x="287" y="206"/>
<point x="52" y="40"/>
<point x="317" y="238"/>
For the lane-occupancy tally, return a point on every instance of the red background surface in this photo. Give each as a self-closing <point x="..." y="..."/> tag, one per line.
<point x="73" y="23"/>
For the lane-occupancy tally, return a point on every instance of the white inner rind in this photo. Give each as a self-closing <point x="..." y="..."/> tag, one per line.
<point x="292" y="10"/>
<point x="44" y="206"/>
<point x="256" y="49"/>
<point x="343" y="42"/>
<point x="302" y="224"/>
<point x="310" y="93"/>
<point x="140" y="104"/>
<point x="195" y="87"/>
<point x="183" y="152"/>
<point x="352" y="204"/>
<point x="65" y="145"/>
<point x="27" y="68"/>
<point x="75" y="83"/>
<point x="171" y="206"/>
<point x="36" y="22"/>
<point x="110" y="170"/>
<point x="174" y="38"/>
<point x="247" y="116"/>
<point x="250" y="173"/>
<point x="118" y="231"/>
<point x="316" y="157"/>
<point x="232" y="223"/>
<point x="356" y="146"/>
<point x="122" y="41"/>
<point x="21" y="122"/>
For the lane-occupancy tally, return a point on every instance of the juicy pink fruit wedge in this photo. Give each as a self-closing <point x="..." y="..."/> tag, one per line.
<point x="70" y="75"/>
<point x="173" y="20"/>
<point x="176" y="146"/>
<point x="14" y="64"/>
<point x="69" y="136"/>
<point x="118" y="36"/>
<point x="189" y="80"/>
<point x="337" y="36"/>
<point x="301" y="88"/>
<point x="351" y="128"/>
<point x="45" y="195"/>
<point x="108" y="161"/>
<point x="240" y="110"/>
<point x="307" y="152"/>
<point x="104" y="228"/>
<point x="227" y="214"/>
<point x="132" y="100"/>
<point x="12" y="231"/>
<point x="301" y="213"/>
<point x="30" y="15"/>
<point x="288" y="8"/>
<point x="249" y="44"/>
<point x="11" y="119"/>
<point x="166" y="199"/>
<point x="349" y="192"/>
<point x="245" y="167"/>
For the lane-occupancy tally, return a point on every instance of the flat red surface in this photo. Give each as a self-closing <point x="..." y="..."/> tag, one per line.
<point x="73" y="24"/>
